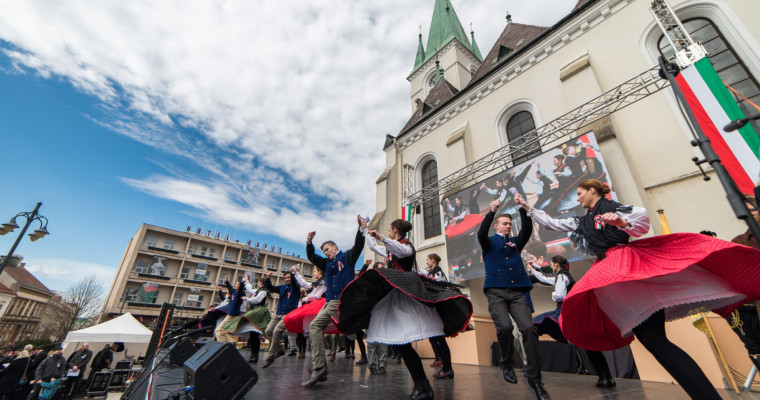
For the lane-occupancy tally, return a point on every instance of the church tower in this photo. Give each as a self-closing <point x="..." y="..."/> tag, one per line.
<point x="448" y="49"/>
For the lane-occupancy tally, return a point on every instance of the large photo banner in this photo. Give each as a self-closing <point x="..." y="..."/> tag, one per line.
<point x="548" y="181"/>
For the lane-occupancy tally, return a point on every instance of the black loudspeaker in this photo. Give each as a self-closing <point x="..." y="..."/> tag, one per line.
<point x="218" y="371"/>
<point x="99" y="384"/>
<point x="181" y="351"/>
<point x="202" y="341"/>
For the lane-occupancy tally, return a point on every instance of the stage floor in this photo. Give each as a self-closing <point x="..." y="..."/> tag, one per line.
<point x="283" y="380"/>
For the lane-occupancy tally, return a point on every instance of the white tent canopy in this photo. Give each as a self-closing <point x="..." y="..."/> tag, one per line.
<point x="124" y="328"/>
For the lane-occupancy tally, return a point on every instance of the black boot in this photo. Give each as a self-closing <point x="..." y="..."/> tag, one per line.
<point x="422" y="391"/>
<point x="509" y="374"/>
<point x="538" y="389"/>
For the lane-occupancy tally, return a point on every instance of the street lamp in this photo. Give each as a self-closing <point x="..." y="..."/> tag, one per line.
<point x="11" y="225"/>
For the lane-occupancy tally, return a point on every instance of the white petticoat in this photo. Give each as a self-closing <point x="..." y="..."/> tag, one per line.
<point x="399" y="319"/>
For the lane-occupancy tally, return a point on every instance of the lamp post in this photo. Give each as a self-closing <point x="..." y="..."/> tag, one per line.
<point x="11" y="225"/>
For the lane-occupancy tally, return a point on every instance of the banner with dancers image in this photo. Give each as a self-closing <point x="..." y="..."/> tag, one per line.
<point x="548" y="181"/>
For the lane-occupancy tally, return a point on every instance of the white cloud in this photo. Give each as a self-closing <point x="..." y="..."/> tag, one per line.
<point x="59" y="274"/>
<point x="285" y="96"/>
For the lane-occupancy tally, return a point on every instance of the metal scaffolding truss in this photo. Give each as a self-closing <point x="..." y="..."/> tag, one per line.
<point x="552" y="133"/>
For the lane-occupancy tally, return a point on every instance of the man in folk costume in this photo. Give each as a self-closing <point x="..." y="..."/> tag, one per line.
<point x="505" y="286"/>
<point x="289" y="297"/>
<point x="338" y="269"/>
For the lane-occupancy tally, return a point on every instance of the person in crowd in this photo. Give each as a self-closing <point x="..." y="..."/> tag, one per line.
<point x="338" y="269"/>
<point x="52" y="368"/>
<point x="288" y="301"/>
<point x="236" y="295"/>
<point x="548" y="322"/>
<point x="744" y="320"/>
<point x="298" y="320"/>
<point x="15" y="375"/>
<point x="505" y="287"/>
<point x="253" y="322"/>
<point x="634" y="274"/>
<point x="77" y="363"/>
<point x="440" y="347"/>
<point x="397" y="306"/>
<point x="102" y="360"/>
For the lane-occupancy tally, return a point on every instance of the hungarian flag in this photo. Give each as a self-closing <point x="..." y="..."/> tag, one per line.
<point x="406" y="213"/>
<point x="714" y="107"/>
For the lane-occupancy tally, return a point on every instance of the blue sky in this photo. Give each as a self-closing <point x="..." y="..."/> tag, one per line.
<point x="265" y="117"/>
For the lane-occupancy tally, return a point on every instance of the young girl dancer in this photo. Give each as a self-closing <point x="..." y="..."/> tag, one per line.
<point x="548" y="322"/>
<point x="635" y="288"/>
<point x="397" y="307"/>
<point x="440" y="347"/>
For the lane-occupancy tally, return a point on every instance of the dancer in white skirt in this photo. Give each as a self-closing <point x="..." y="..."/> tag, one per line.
<point x="407" y="310"/>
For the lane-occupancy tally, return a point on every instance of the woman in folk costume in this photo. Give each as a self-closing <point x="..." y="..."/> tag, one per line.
<point x="632" y="289"/>
<point x="397" y="306"/>
<point x="548" y="322"/>
<point x="254" y="321"/>
<point x="215" y="315"/>
<point x="298" y="320"/>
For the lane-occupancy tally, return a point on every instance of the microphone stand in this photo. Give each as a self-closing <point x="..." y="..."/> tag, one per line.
<point x="136" y="384"/>
<point x="735" y="197"/>
<point x="738" y="123"/>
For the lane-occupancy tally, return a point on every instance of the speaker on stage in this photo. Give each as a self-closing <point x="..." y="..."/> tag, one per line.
<point x="218" y="371"/>
<point x="181" y="351"/>
<point x="202" y="341"/>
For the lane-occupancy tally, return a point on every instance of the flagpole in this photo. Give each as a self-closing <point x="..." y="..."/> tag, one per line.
<point x="733" y="194"/>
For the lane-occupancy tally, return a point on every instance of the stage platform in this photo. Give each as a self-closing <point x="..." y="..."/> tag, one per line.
<point x="283" y="380"/>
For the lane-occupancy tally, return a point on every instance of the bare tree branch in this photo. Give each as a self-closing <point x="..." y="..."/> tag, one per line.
<point x="76" y="307"/>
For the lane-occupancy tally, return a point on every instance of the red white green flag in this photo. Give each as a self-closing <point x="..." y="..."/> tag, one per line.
<point x="406" y="213"/>
<point x="714" y="107"/>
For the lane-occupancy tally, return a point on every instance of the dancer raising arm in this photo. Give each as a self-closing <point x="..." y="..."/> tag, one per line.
<point x="398" y="307"/>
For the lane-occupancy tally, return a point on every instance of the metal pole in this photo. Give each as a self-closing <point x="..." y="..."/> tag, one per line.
<point x="21" y="335"/>
<point x="733" y="194"/>
<point x="29" y="220"/>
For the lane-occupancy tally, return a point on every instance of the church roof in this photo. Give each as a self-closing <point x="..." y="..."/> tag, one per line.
<point x="513" y="40"/>
<point x="514" y="37"/>
<point x="475" y="49"/>
<point x="580" y="3"/>
<point x="420" y="58"/>
<point x="441" y="92"/>
<point x="444" y="27"/>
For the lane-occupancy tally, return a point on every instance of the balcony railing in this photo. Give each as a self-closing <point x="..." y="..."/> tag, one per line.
<point x="163" y="249"/>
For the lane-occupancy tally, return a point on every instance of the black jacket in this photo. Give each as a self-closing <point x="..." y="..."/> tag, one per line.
<point x="36" y="361"/>
<point x="9" y="377"/>
<point x="53" y="367"/>
<point x="80" y="358"/>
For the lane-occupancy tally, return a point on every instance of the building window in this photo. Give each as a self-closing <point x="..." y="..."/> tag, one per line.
<point x="151" y="241"/>
<point x="431" y="208"/>
<point x="177" y="299"/>
<point x="184" y="273"/>
<point x="191" y="249"/>
<point x="211" y="252"/>
<point x="169" y="244"/>
<point x="203" y="250"/>
<point x="270" y="264"/>
<point x="521" y="129"/>
<point x="141" y="267"/>
<point x="726" y="61"/>
<point x="228" y="255"/>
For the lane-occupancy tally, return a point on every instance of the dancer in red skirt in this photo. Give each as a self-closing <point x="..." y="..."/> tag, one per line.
<point x="632" y="289"/>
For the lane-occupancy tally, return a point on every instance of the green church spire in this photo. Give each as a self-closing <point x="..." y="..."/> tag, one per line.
<point x="444" y="27"/>
<point x="475" y="49"/>
<point x="420" y="58"/>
